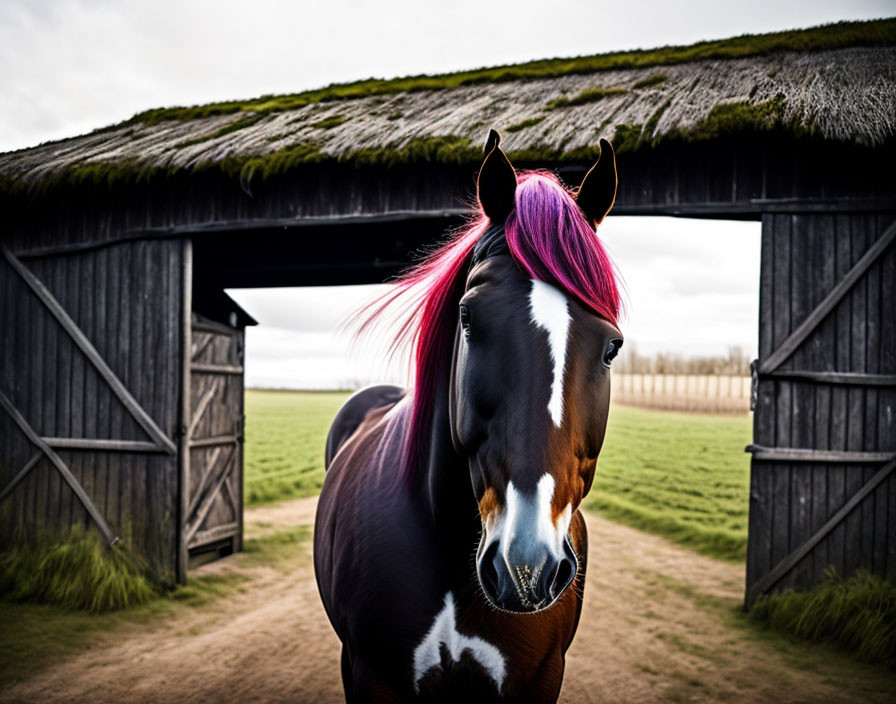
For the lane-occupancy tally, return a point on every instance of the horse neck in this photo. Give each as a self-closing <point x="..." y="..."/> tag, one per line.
<point x="445" y="480"/>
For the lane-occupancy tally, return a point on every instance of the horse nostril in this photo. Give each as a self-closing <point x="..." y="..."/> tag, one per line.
<point x="565" y="572"/>
<point x="488" y="573"/>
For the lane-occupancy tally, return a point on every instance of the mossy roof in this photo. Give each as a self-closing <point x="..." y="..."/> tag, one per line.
<point x="837" y="82"/>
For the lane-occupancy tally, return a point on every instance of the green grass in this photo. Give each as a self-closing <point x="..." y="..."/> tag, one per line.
<point x="653" y="80"/>
<point x="77" y="571"/>
<point x="591" y="95"/>
<point x="858" y="614"/>
<point x="286" y="432"/>
<point x="33" y="635"/>
<point x="328" y="123"/>
<point x="682" y="476"/>
<point x="524" y="124"/>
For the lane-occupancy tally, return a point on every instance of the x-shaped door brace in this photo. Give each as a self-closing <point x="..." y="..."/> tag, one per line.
<point x="159" y="442"/>
<point x="768" y="368"/>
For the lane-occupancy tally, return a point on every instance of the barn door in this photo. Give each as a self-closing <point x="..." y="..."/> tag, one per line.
<point x="823" y="486"/>
<point x="214" y="481"/>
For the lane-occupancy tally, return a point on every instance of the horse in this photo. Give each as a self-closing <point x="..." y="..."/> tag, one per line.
<point x="449" y="550"/>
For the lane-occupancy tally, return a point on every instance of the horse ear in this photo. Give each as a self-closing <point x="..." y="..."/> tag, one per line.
<point x="496" y="184"/>
<point x="598" y="189"/>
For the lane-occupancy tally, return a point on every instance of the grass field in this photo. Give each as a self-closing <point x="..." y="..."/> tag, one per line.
<point x="683" y="476"/>
<point x="285" y="436"/>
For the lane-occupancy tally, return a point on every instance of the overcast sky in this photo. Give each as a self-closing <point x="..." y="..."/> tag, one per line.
<point x="68" y="67"/>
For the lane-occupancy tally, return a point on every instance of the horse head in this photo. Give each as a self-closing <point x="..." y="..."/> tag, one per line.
<point x="530" y="379"/>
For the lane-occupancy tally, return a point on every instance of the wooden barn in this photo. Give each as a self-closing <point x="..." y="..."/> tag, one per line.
<point x="121" y="372"/>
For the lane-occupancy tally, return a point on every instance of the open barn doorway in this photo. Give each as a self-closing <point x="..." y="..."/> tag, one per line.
<point x="674" y="460"/>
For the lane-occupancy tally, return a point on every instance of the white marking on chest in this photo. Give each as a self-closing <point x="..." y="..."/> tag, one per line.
<point x="549" y="311"/>
<point x="444" y="630"/>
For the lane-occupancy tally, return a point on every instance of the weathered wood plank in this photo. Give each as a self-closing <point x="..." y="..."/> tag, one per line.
<point x="214" y="440"/>
<point x="761" y="476"/>
<point x="90" y="352"/>
<point x="796" y="454"/>
<point x="860" y="237"/>
<point x="787" y="563"/>
<point x="49" y="508"/>
<point x="822" y="356"/>
<point x="802" y="396"/>
<point x="101" y="331"/>
<point x="212" y="534"/>
<point x="239" y="479"/>
<point x="200" y="345"/>
<point x="886" y="417"/>
<point x="115" y="285"/>
<point x="20" y="475"/>
<point x="200" y="408"/>
<point x="103" y="444"/>
<point x="216" y="369"/>
<point x="839" y="378"/>
<point x="185" y="408"/>
<point x="781" y="491"/>
<point x="787" y="347"/>
<point x="209" y="497"/>
<point x="60" y="466"/>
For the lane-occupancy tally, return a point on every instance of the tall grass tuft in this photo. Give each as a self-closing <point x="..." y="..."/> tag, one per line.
<point x="77" y="571"/>
<point x="858" y="614"/>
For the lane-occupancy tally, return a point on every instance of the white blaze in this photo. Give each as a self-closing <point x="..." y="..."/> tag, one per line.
<point x="549" y="310"/>
<point x="444" y="631"/>
<point x="529" y="514"/>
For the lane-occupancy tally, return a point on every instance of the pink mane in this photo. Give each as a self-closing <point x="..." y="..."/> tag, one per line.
<point x="550" y="240"/>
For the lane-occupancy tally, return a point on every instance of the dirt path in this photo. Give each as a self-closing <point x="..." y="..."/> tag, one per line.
<point x="659" y="625"/>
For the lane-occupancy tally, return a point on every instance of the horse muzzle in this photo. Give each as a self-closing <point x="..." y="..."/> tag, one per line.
<point x="526" y="576"/>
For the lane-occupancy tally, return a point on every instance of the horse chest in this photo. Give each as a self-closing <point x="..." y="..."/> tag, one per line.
<point x="472" y="649"/>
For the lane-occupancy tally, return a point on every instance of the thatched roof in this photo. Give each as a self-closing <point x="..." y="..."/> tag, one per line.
<point x="845" y="94"/>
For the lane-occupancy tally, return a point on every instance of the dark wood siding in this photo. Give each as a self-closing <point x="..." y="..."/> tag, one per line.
<point x="125" y="299"/>
<point x="214" y="483"/>
<point x="803" y="257"/>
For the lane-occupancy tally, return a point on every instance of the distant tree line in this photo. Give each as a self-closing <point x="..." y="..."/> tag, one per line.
<point x="735" y="363"/>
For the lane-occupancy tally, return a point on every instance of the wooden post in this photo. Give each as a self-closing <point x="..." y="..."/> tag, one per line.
<point x="184" y="411"/>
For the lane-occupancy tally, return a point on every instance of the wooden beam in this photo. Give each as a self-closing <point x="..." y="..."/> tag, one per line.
<point x="200" y="409"/>
<point x="785" y="565"/>
<point x="184" y="409"/>
<point x="210" y="465"/>
<point x="794" y="454"/>
<point x="231" y="499"/>
<point x="249" y="225"/>
<point x="216" y="368"/>
<point x="103" y="444"/>
<point x="80" y="339"/>
<point x="212" y="534"/>
<point x="211" y="326"/>
<point x="798" y="336"/>
<point x="198" y="349"/>
<point x="840" y="378"/>
<point x="23" y="472"/>
<point x="214" y="440"/>
<point x="206" y="505"/>
<point x="60" y="466"/>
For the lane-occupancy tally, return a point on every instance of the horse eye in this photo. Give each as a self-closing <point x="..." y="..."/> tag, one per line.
<point x="612" y="350"/>
<point x="465" y="317"/>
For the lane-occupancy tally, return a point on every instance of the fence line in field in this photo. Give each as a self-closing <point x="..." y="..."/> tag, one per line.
<point x="683" y="392"/>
